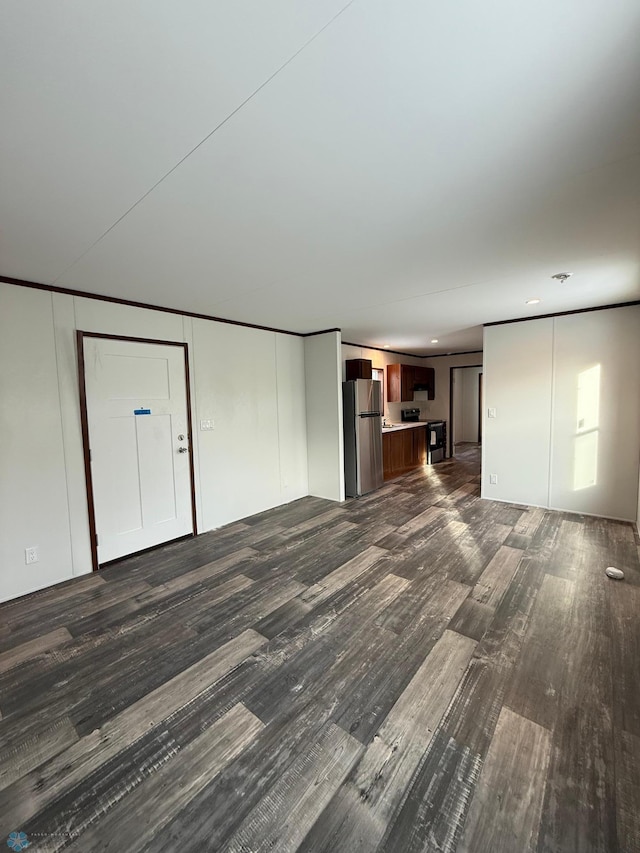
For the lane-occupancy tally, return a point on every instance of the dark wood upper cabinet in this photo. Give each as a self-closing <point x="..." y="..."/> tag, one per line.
<point x="358" y="368"/>
<point x="407" y="380"/>
<point x="424" y="380"/>
<point x="404" y="379"/>
<point x="399" y="383"/>
<point x="394" y="393"/>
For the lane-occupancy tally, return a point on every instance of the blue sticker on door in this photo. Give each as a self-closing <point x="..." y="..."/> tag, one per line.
<point x="142" y="411"/>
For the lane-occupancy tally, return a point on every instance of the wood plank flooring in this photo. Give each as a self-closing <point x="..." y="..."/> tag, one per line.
<point x="415" y="670"/>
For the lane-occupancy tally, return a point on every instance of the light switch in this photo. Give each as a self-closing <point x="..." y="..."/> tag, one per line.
<point x="491" y="413"/>
<point x="206" y="425"/>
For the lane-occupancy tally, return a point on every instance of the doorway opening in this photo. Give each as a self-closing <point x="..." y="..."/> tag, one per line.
<point x="465" y="416"/>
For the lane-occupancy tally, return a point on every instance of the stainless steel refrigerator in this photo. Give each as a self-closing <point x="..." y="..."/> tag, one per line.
<point x="362" y="413"/>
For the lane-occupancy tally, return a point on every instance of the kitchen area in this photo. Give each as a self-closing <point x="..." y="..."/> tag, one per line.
<point x="379" y="445"/>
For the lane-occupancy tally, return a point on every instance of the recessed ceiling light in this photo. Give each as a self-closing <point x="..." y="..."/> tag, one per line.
<point x="385" y="346"/>
<point x="533" y="301"/>
<point x="562" y="276"/>
<point x="434" y="341"/>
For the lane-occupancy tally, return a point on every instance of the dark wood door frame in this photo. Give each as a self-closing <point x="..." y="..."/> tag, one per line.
<point x="480" y="408"/>
<point x="84" y="420"/>
<point x="452" y="441"/>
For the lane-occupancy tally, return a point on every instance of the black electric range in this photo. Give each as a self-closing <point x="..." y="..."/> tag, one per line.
<point x="436" y="434"/>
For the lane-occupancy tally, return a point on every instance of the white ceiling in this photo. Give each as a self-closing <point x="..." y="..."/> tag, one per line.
<point x="403" y="170"/>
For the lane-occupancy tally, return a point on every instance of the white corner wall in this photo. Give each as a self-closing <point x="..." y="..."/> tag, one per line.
<point x="251" y="382"/>
<point x="517" y="384"/>
<point x="567" y="396"/>
<point x="325" y="440"/>
<point x="594" y="470"/>
<point x="33" y="490"/>
<point x="292" y="417"/>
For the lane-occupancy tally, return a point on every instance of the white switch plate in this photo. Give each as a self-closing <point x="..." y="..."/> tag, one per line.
<point x="206" y="425"/>
<point x="31" y="555"/>
<point x="491" y="413"/>
<point x="493" y="479"/>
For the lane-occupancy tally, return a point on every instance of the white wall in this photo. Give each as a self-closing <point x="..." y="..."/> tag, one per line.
<point x="292" y="417"/>
<point x="33" y="490"/>
<point x="250" y="381"/>
<point x="517" y="383"/>
<point x="567" y="397"/>
<point x="325" y="441"/>
<point x="251" y="384"/>
<point x="597" y="380"/>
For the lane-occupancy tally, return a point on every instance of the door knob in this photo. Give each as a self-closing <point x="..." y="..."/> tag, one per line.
<point x="183" y="450"/>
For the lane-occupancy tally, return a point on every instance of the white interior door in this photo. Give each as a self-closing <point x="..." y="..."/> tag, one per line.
<point x="138" y="440"/>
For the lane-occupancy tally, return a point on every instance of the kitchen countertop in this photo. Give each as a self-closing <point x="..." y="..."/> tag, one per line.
<point x="410" y="425"/>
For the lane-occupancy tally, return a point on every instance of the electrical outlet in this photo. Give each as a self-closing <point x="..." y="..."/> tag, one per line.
<point x="31" y="555"/>
<point x="493" y="479"/>
<point x="207" y="424"/>
<point x="491" y="413"/>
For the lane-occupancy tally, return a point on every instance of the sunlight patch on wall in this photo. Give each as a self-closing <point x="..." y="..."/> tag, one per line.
<point x="585" y="456"/>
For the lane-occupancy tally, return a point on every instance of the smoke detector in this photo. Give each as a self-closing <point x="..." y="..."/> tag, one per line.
<point x="562" y="276"/>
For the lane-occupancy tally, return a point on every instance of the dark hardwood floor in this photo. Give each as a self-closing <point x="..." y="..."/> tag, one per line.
<point x="417" y="670"/>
